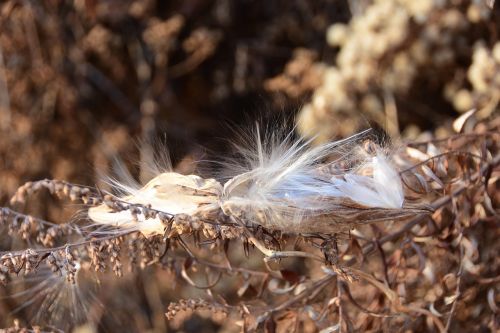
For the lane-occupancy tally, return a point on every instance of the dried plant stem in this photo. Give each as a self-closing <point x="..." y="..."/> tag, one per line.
<point x="225" y="268"/>
<point x="457" y="290"/>
<point x="272" y="254"/>
<point x="454" y="137"/>
<point x="341" y="312"/>
<point x="457" y="152"/>
<point x="324" y="281"/>
<point x="68" y="246"/>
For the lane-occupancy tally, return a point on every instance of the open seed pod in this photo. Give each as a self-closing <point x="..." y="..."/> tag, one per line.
<point x="171" y="193"/>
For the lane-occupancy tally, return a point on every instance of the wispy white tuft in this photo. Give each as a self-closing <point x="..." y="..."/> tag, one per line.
<point x="278" y="182"/>
<point x="382" y="189"/>
<point x="282" y="184"/>
<point x="48" y="298"/>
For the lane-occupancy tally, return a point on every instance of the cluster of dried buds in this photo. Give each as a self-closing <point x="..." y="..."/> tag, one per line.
<point x="61" y="262"/>
<point x="394" y="51"/>
<point x="29" y="227"/>
<point x="193" y="304"/>
<point x="484" y="77"/>
<point x="26" y="261"/>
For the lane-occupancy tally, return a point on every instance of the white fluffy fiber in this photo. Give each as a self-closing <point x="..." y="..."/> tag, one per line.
<point x="278" y="181"/>
<point x="382" y="189"/>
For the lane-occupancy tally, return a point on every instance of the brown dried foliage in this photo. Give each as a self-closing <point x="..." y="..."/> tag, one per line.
<point x="85" y="72"/>
<point x="428" y="273"/>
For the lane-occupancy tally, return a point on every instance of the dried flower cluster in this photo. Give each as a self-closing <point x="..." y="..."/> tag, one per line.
<point x="397" y="54"/>
<point x="483" y="75"/>
<point x="302" y="74"/>
<point x="193" y="305"/>
<point x="30" y="228"/>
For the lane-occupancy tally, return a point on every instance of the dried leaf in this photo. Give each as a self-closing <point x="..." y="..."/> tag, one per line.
<point x="459" y="123"/>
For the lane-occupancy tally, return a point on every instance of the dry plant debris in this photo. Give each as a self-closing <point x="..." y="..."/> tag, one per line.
<point x="79" y="78"/>
<point x="426" y="272"/>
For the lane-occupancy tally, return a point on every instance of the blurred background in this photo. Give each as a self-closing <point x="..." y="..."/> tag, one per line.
<point x="83" y="82"/>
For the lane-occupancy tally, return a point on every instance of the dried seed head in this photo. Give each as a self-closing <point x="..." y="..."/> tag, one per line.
<point x="168" y="193"/>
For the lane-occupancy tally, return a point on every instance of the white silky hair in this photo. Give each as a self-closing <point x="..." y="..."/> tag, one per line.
<point x="48" y="298"/>
<point x="280" y="169"/>
<point x="283" y="184"/>
<point x="277" y="180"/>
<point x="382" y="189"/>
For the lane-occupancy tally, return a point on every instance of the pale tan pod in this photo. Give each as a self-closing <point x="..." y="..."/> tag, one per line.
<point x="169" y="192"/>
